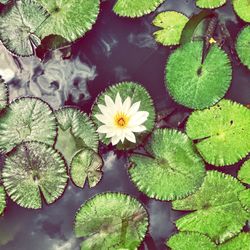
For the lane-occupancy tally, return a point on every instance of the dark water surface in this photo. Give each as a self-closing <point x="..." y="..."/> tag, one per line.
<point x="116" y="49"/>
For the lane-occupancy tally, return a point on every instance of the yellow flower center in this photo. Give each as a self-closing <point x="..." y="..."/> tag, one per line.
<point x="212" y="40"/>
<point x="121" y="120"/>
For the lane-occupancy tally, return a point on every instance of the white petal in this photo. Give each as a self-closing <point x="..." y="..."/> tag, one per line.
<point x="137" y="129"/>
<point x="134" y="108"/>
<point x="115" y="140"/>
<point x="104" y="129"/>
<point x="118" y="102"/>
<point x="106" y="111"/>
<point x="109" y="102"/>
<point x="104" y="119"/>
<point x="138" y="118"/>
<point x="130" y="136"/>
<point x="126" y="105"/>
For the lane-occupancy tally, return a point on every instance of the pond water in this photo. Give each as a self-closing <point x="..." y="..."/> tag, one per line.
<point x="116" y="49"/>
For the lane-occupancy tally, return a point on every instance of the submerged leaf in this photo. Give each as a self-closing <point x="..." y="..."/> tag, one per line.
<point x="3" y="94"/>
<point x="27" y="119"/>
<point x="210" y="4"/>
<point x="33" y="169"/>
<point x="135" y="8"/>
<point x="240" y="242"/>
<point x="18" y="24"/>
<point x="242" y="9"/>
<point x="244" y="172"/>
<point x="111" y="221"/>
<point x="86" y="164"/>
<point x="195" y="84"/>
<point x="174" y="171"/>
<point x="2" y="200"/>
<point x="217" y="210"/>
<point x="222" y="132"/>
<point x="76" y="130"/>
<point x="190" y="241"/>
<point x="172" y="24"/>
<point x="70" y="19"/>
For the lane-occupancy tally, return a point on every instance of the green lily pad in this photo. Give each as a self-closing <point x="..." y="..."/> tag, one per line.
<point x="190" y="241"/>
<point x="171" y="23"/>
<point x="135" y="8"/>
<point x="111" y="221"/>
<point x="240" y="242"/>
<point x="244" y="172"/>
<point x="33" y="170"/>
<point x="243" y="46"/>
<point x="86" y="164"/>
<point x="226" y="137"/>
<point x="196" y="85"/>
<point x="70" y="19"/>
<point x="217" y="210"/>
<point x="210" y="4"/>
<point x="4" y="96"/>
<point x="173" y="171"/>
<point x="75" y="132"/>
<point x="244" y="198"/>
<point x="27" y="119"/>
<point x="18" y="24"/>
<point x="242" y="9"/>
<point x="4" y="1"/>
<point x="2" y="200"/>
<point x="137" y="93"/>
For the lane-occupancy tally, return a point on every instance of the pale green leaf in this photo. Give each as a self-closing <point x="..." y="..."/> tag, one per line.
<point x="240" y="242"/>
<point x="2" y="200"/>
<point x="242" y="9"/>
<point x="210" y="4"/>
<point x="244" y="172"/>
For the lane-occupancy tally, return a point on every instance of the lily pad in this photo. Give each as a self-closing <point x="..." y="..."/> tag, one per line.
<point x="76" y="130"/>
<point x="18" y="24"/>
<point x="242" y="9"/>
<point x="226" y="137"/>
<point x="86" y="164"/>
<point x="173" y="171"/>
<point x="111" y="221"/>
<point x="243" y="46"/>
<point x="70" y="19"/>
<point x="244" y="198"/>
<point x="244" y="172"/>
<point x="3" y="94"/>
<point x="27" y="119"/>
<point x="33" y="170"/>
<point x="135" y="8"/>
<point x="2" y="200"/>
<point x="210" y="4"/>
<point x="137" y="93"/>
<point x="218" y="212"/>
<point x="171" y="23"/>
<point x="190" y="241"/>
<point x="195" y="84"/>
<point x="240" y="242"/>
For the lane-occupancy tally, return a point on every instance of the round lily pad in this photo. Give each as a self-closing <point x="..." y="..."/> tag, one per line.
<point x="171" y="23"/>
<point x="218" y="212"/>
<point x="76" y="130"/>
<point x="2" y="200"/>
<point x="86" y="164"/>
<point x="135" y="8"/>
<point x="226" y="137"/>
<point x="244" y="198"/>
<point x="242" y="9"/>
<point x="195" y="84"/>
<point x="18" y="23"/>
<point x="243" y="46"/>
<point x="27" y="119"/>
<point x="190" y="241"/>
<point x="244" y="172"/>
<point x="4" y="95"/>
<point x="210" y="4"/>
<point x="34" y="170"/>
<point x="240" y="242"/>
<point x="137" y="93"/>
<point x="111" y="221"/>
<point x="70" y="19"/>
<point x="174" y="170"/>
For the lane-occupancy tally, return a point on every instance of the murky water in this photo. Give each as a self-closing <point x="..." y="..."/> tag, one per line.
<point x="117" y="49"/>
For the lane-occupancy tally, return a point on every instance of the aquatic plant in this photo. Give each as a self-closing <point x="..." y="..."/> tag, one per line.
<point x="2" y="200"/>
<point x="244" y="173"/>
<point x="242" y="9"/>
<point x="3" y="94"/>
<point x="210" y="4"/>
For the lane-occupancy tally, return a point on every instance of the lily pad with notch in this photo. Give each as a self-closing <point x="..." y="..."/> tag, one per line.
<point x="111" y="221"/>
<point x="210" y="4"/>
<point x="173" y="171"/>
<point x="2" y="200"/>
<point x="244" y="173"/>
<point x="242" y="9"/>
<point x="33" y="171"/>
<point x="226" y="137"/>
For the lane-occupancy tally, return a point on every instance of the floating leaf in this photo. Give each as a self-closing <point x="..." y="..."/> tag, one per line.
<point x="190" y="241"/>
<point x="4" y="1"/>
<point x="135" y="8"/>
<point x="244" y="198"/>
<point x="174" y="171"/>
<point x="240" y="242"/>
<point x="3" y="94"/>
<point x="111" y="221"/>
<point x="70" y="19"/>
<point x="86" y="164"/>
<point x="2" y="200"/>
<point x="137" y="93"/>
<point x="196" y="85"/>
<point x="210" y="4"/>
<point x="33" y="169"/>
<point x="243" y="46"/>
<point x="76" y="130"/>
<point x="226" y="137"/>
<point x="242" y="9"/>
<point x="18" y="24"/>
<point x="218" y="211"/>
<point x="244" y="172"/>
<point x="27" y="119"/>
<point x="171" y="23"/>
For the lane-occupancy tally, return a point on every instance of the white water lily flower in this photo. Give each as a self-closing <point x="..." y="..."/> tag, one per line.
<point x="121" y="119"/>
